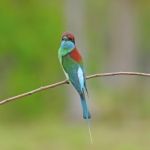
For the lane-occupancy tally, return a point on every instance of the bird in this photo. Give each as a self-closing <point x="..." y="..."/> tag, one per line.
<point x="72" y="64"/>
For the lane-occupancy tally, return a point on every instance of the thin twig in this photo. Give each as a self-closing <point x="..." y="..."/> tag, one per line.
<point x="65" y="82"/>
<point x="118" y="73"/>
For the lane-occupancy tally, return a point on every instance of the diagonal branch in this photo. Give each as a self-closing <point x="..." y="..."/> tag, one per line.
<point x="66" y="82"/>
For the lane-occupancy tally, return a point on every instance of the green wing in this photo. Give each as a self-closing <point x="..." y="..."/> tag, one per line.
<point x="71" y="69"/>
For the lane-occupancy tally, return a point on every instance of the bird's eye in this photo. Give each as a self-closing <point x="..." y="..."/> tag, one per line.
<point x="70" y="39"/>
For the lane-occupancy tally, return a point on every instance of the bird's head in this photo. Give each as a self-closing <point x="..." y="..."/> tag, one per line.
<point x="68" y="41"/>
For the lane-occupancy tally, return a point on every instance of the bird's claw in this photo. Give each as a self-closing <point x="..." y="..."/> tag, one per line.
<point x="67" y="82"/>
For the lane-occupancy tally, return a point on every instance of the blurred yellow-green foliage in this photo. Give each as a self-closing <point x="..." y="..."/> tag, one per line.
<point x="30" y="34"/>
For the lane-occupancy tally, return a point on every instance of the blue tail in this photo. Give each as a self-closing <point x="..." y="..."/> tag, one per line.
<point x="86" y="113"/>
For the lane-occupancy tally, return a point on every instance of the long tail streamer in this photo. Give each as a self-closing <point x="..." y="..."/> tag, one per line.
<point x="89" y="129"/>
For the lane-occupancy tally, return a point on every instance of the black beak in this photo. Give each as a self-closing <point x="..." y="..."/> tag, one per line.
<point x="65" y="38"/>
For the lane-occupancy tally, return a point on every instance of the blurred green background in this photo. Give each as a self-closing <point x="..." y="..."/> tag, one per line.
<point x="112" y="36"/>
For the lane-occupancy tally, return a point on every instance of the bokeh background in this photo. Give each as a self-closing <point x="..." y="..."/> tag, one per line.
<point x="112" y="36"/>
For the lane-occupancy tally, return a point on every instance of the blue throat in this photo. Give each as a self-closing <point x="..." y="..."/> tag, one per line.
<point x="67" y="45"/>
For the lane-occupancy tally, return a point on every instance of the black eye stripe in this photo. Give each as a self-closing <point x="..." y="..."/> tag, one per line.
<point x="70" y="39"/>
<point x="63" y="38"/>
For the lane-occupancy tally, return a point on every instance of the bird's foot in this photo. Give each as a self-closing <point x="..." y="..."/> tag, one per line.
<point x="67" y="81"/>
